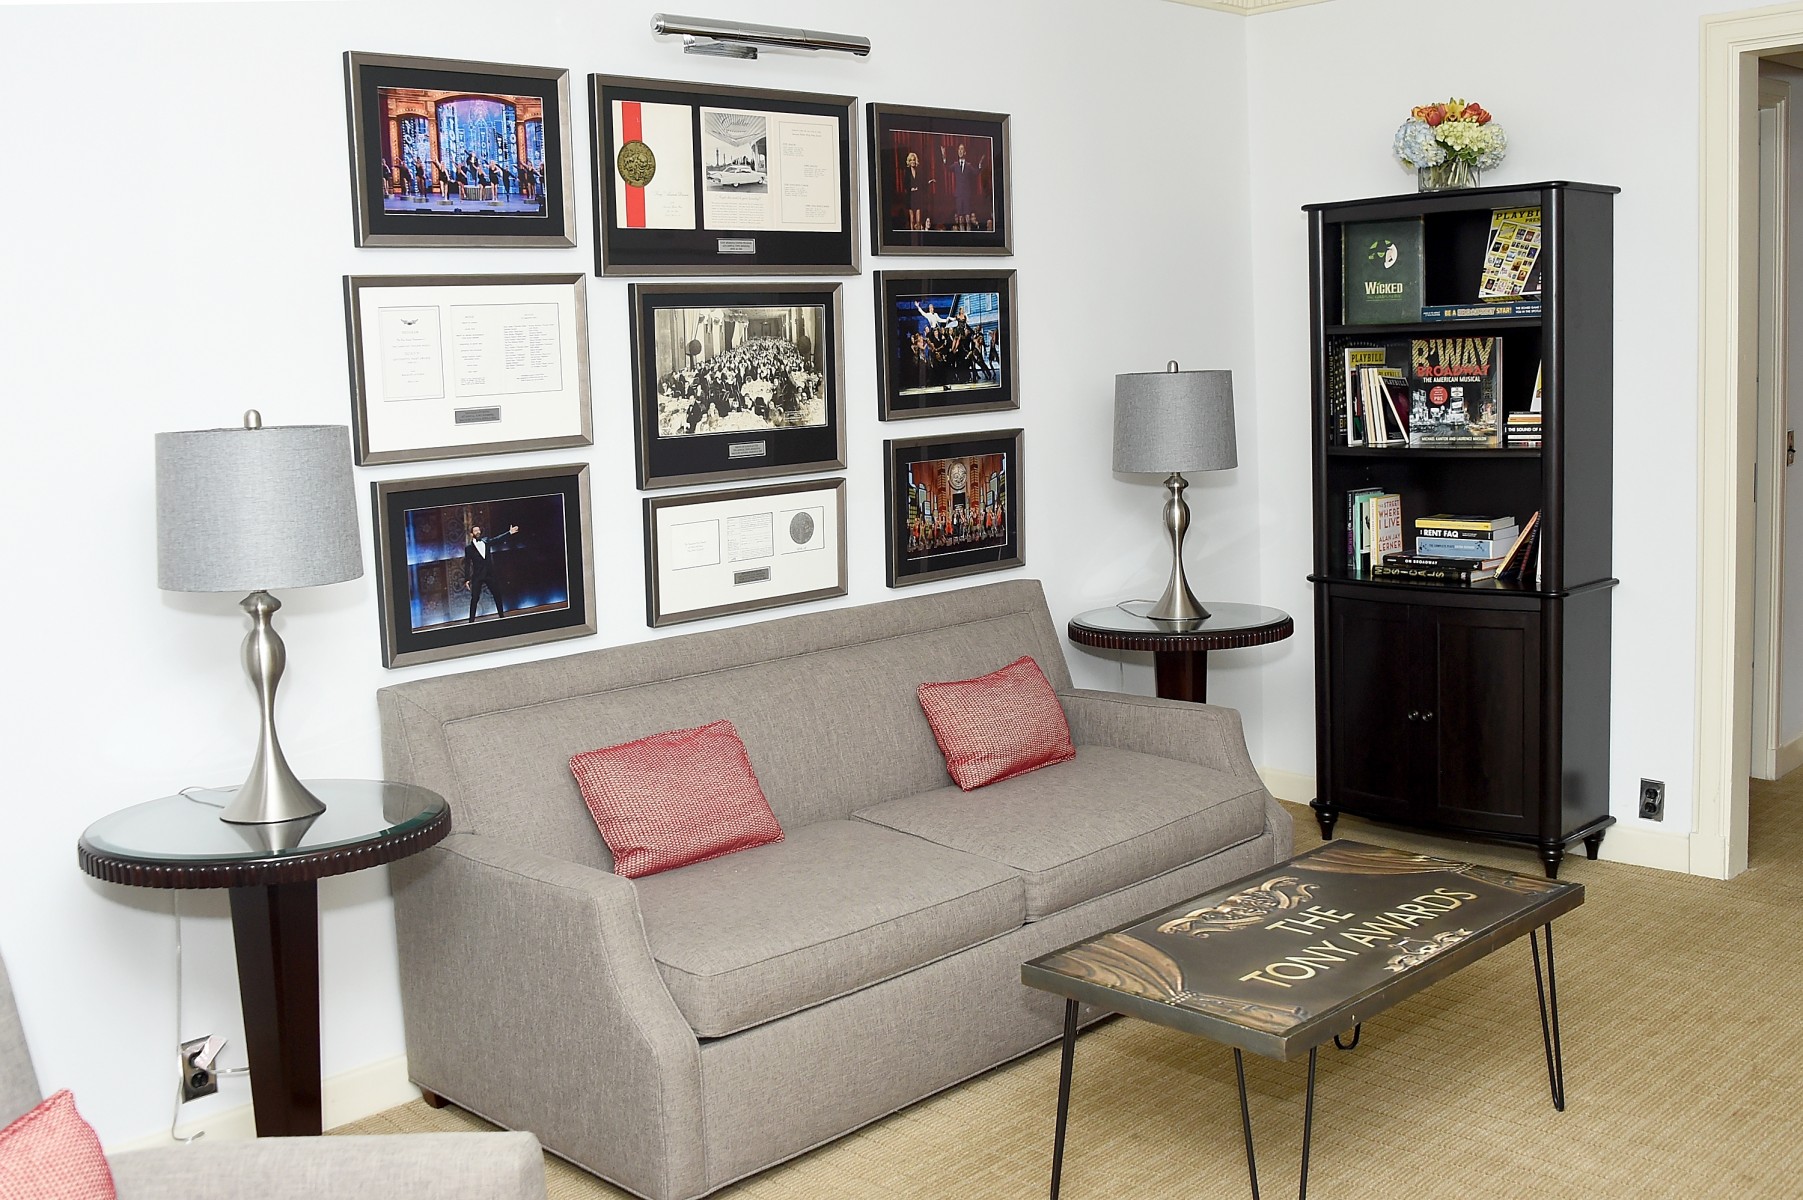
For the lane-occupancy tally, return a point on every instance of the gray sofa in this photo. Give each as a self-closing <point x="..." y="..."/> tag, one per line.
<point x="426" y="1166"/>
<point x="680" y="1031"/>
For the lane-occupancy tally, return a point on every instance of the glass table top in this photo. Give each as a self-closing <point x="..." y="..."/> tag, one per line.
<point x="1130" y="617"/>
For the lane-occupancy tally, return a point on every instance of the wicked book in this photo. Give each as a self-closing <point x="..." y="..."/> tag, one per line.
<point x="1381" y="272"/>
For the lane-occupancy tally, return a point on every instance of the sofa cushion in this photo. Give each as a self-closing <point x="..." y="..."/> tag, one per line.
<point x="675" y="798"/>
<point x="834" y="907"/>
<point x="998" y="725"/>
<point x="1106" y="819"/>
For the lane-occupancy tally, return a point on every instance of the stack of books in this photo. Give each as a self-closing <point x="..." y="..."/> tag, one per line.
<point x="1522" y="431"/>
<point x="1452" y="548"/>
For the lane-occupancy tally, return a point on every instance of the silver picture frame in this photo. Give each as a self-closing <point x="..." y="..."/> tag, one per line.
<point x="952" y="506"/>
<point x="489" y="219"/>
<point x="918" y="382"/>
<point x="393" y="420"/>
<point x="914" y="209"/>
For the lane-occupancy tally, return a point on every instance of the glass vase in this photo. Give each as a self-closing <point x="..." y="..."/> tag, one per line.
<point x="1453" y="173"/>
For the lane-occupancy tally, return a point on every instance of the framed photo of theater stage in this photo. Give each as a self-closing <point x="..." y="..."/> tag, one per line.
<point x="452" y="153"/>
<point x="446" y="366"/>
<point x="945" y="343"/>
<point x="705" y="179"/>
<point x="951" y="505"/>
<point x="736" y="382"/>
<point x="939" y="181"/>
<point x="484" y="561"/>
<point x="712" y="553"/>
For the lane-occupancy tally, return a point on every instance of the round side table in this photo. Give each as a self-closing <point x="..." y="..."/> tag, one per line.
<point x="1180" y="648"/>
<point x="272" y="872"/>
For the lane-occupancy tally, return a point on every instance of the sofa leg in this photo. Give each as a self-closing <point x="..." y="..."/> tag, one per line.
<point x="432" y="1099"/>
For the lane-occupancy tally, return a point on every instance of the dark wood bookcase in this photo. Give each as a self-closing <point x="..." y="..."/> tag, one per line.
<point x="1475" y="709"/>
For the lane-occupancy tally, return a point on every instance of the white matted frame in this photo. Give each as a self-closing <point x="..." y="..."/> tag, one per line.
<point x="448" y="366"/>
<point x="708" y="554"/>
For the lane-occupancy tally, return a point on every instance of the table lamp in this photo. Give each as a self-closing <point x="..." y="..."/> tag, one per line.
<point x="1174" y="421"/>
<point x="245" y="510"/>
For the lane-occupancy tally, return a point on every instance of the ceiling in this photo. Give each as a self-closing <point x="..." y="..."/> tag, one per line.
<point x="1247" y="8"/>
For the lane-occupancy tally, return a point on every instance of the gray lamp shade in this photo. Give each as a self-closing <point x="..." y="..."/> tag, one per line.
<point x="1173" y="420"/>
<point x="245" y="510"/>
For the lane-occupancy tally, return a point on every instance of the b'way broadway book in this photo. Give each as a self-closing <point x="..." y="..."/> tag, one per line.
<point x="1453" y="383"/>
<point x="1381" y="272"/>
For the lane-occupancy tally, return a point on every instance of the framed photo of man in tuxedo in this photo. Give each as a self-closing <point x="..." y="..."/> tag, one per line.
<point x="939" y="181"/>
<point x="482" y="561"/>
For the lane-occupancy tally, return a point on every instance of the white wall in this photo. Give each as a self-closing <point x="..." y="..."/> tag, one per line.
<point x="1790" y="651"/>
<point x="1603" y="92"/>
<point x="156" y="276"/>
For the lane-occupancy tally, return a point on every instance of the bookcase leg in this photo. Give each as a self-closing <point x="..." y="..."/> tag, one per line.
<point x="1592" y="845"/>
<point x="1550" y="858"/>
<point x="1325" y="816"/>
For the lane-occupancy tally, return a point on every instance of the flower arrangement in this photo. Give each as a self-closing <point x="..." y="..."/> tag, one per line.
<point x="1448" y="144"/>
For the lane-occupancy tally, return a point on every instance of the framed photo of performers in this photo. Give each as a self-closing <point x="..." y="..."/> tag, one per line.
<point x="736" y="382"/>
<point x="452" y="153"/>
<point x="485" y="561"/>
<point x="706" y="179"/>
<point x="712" y="553"/>
<point x="945" y="343"/>
<point x="938" y="181"/>
<point x="952" y="505"/>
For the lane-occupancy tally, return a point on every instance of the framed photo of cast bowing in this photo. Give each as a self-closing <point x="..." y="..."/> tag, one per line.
<point x="705" y="179"/>
<point x="939" y="181"/>
<point x="446" y="152"/>
<point x="945" y="343"/>
<point x="952" y="505"/>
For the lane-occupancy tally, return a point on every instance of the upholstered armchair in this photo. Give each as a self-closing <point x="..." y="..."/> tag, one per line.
<point x="426" y="1166"/>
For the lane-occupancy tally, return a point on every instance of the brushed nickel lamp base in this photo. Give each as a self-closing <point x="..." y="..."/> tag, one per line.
<point x="272" y="792"/>
<point x="1178" y="603"/>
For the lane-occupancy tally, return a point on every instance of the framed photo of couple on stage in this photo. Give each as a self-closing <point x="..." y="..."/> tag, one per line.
<point x="945" y="343"/>
<point x="952" y="505"/>
<point x="706" y="179"/>
<point x="939" y="181"/>
<point x="446" y="152"/>
<point x="483" y="561"/>
<point x="736" y="382"/>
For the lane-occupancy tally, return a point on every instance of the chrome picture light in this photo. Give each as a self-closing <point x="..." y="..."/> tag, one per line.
<point x="245" y="510"/>
<point x="739" y="39"/>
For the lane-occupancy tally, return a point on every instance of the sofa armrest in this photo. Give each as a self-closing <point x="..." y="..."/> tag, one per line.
<point x="1205" y="734"/>
<point x="531" y="998"/>
<point x="425" y="1166"/>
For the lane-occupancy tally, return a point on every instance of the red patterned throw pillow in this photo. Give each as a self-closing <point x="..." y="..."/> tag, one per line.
<point x="675" y="798"/>
<point x="999" y="725"/>
<point x="50" y="1153"/>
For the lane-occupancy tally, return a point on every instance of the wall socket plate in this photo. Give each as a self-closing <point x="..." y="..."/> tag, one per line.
<point x="1652" y="800"/>
<point x="198" y="1077"/>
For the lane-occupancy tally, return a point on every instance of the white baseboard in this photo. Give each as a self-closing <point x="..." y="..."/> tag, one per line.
<point x="351" y="1096"/>
<point x="1634" y="842"/>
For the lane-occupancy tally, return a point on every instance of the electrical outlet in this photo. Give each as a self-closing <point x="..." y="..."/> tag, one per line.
<point x="1652" y="800"/>
<point x="196" y="1066"/>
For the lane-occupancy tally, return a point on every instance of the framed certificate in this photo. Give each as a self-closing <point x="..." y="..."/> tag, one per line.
<point x="695" y="179"/>
<point x="452" y="153"/>
<point x="483" y="561"/>
<point x="945" y="343"/>
<point x="444" y="366"/>
<point x="736" y="382"/>
<point x="712" y="553"/>
<point x="952" y="505"/>
<point x="939" y="181"/>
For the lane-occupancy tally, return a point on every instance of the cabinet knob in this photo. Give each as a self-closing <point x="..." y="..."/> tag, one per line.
<point x="1413" y="715"/>
<point x="1427" y="716"/>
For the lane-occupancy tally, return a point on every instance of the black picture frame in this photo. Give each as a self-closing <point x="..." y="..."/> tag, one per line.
<point x="915" y="208"/>
<point x="702" y="414"/>
<point x="740" y="215"/>
<point x="529" y="198"/>
<point x="543" y="569"/>
<point x="945" y="343"/>
<point x="931" y="485"/>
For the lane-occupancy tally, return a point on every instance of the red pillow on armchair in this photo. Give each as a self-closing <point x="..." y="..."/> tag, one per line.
<point x="50" y="1153"/>
<point x="999" y="725"/>
<point x="675" y="798"/>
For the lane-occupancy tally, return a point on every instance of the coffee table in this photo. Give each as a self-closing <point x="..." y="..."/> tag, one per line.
<point x="1289" y="958"/>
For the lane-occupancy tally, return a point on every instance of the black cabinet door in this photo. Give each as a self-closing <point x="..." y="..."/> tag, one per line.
<point x="1482" y="702"/>
<point x="1378" y="750"/>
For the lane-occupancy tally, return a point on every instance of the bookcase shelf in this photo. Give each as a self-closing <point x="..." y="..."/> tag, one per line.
<point x="1478" y="709"/>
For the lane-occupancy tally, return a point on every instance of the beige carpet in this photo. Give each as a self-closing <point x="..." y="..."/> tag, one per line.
<point x="1682" y="1007"/>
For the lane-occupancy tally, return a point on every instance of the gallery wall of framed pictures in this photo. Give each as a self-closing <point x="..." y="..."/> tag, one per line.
<point x="731" y="378"/>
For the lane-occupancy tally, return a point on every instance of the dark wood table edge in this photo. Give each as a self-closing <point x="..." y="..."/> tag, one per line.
<point x="1181" y="640"/>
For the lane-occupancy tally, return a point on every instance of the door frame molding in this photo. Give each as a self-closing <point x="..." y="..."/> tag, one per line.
<point x="1771" y="420"/>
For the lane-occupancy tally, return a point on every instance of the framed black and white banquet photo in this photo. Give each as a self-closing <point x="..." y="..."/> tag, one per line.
<point x="939" y="181"/>
<point x="482" y="561"/>
<point x="712" y="553"/>
<point x="945" y="343"/>
<point x="736" y="382"/>
<point x="446" y="152"/>
<point x="706" y="179"/>
<point x="446" y="366"/>
<point x="952" y="505"/>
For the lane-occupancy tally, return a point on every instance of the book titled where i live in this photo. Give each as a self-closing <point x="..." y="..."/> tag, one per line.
<point x="1381" y="272"/>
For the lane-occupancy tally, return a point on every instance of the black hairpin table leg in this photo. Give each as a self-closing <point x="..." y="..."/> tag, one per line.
<point x="1064" y="1091"/>
<point x="1548" y="995"/>
<point x="1308" y="1121"/>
